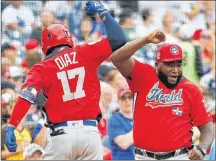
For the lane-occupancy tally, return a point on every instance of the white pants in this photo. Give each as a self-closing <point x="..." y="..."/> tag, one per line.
<point x="79" y="143"/>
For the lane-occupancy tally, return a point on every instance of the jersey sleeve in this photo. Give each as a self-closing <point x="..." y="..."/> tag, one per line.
<point x="34" y="79"/>
<point x="96" y="52"/>
<point x="139" y="76"/>
<point x="114" y="129"/>
<point x="199" y="111"/>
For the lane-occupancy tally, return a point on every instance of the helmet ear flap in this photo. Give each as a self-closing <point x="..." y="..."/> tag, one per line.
<point x="49" y="36"/>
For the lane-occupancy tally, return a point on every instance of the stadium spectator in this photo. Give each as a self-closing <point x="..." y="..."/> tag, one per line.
<point x="5" y="64"/>
<point x="8" y="97"/>
<point x="116" y="80"/>
<point x="59" y="8"/>
<point x="120" y="127"/>
<point x="33" y="54"/>
<point x="168" y="22"/>
<point x="6" y="84"/>
<point x="103" y="71"/>
<point x="156" y="7"/>
<point x="85" y="31"/>
<point x="192" y="66"/>
<point x="9" y="51"/>
<point x="209" y="13"/>
<point x="16" y="76"/>
<point x="147" y="23"/>
<point x="206" y="41"/>
<point x="207" y="83"/>
<point x="47" y="17"/>
<point x="127" y="23"/>
<point x="107" y="100"/>
<point x="132" y="5"/>
<point x="74" y="16"/>
<point x="18" y="21"/>
<point x="196" y="14"/>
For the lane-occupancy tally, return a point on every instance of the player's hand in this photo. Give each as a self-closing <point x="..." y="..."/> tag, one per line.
<point x="94" y="7"/>
<point x="10" y="139"/>
<point x="195" y="154"/>
<point x="156" y="37"/>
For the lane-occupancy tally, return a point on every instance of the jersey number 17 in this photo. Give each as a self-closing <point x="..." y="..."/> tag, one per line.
<point x="65" y="76"/>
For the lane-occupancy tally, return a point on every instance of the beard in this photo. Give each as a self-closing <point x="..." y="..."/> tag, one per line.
<point x="163" y="78"/>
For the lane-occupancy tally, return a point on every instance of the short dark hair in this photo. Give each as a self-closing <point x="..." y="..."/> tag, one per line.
<point x="125" y="14"/>
<point x="6" y="84"/>
<point x="145" y="13"/>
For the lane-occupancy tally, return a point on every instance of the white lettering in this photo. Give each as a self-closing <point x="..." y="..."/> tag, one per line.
<point x="59" y="63"/>
<point x="74" y="57"/>
<point x="66" y="60"/>
<point x="63" y="61"/>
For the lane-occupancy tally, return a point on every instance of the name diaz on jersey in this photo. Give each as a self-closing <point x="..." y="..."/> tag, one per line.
<point x="156" y="97"/>
<point x="65" y="60"/>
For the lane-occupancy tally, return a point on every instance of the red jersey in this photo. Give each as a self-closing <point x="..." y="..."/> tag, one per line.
<point x="163" y="117"/>
<point x="69" y="81"/>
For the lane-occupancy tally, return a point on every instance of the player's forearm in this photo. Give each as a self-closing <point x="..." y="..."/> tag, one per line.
<point x="125" y="52"/>
<point x="207" y="135"/>
<point x="114" y="31"/>
<point x="20" y="109"/>
<point x="124" y="141"/>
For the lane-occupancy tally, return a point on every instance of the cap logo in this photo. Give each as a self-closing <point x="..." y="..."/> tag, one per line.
<point x="67" y="34"/>
<point x="158" y="55"/>
<point x="174" y="50"/>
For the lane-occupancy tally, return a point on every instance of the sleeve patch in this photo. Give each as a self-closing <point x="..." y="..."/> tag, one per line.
<point x="29" y="93"/>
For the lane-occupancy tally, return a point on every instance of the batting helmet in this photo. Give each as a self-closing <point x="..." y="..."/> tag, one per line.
<point x="54" y="35"/>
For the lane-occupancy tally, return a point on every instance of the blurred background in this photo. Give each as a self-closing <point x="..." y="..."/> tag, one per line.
<point x="191" y="24"/>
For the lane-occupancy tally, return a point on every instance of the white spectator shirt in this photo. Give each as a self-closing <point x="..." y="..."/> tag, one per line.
<point x="10" y="14"/>
<point x="199" y="21"/>
<point x="143" y="30"/>
<point x="204" y="81"/>
<point x="179" y="8"/>
<point x="157" y="8"/>
<point x="59" y="8"/>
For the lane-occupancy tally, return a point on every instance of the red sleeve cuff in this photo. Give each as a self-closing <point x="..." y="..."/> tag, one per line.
<point x="19" y="111"/>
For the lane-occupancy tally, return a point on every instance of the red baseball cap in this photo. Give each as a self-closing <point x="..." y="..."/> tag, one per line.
<point x="169" y="52"/>
<point x="123" y="90"/>
<point x="31" y="44"/>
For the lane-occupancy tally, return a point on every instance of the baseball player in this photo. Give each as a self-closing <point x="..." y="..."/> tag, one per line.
<point x="68" y="78"/>
<point x="167" y="104"/>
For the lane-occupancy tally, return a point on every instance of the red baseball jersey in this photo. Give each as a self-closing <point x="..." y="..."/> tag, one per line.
<point x="69" y="81"/>
<point x="163" y="117"/>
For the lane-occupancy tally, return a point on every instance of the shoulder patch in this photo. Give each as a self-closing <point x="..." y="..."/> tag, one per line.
<point x="29" y="93"/>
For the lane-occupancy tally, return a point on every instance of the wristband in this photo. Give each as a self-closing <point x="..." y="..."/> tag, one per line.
<point x="101" y="13"/>
<point x="203" y="151"/>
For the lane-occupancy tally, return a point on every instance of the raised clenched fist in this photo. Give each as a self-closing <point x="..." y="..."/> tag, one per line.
<point x="156" y="36"/>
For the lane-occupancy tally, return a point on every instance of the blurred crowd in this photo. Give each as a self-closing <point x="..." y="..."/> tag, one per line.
<point x="191" y="24"/>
